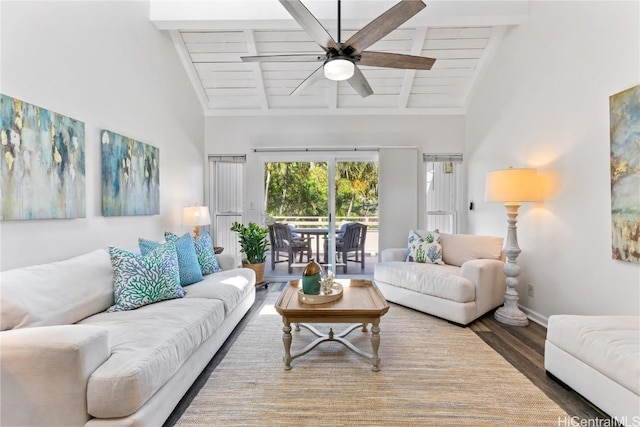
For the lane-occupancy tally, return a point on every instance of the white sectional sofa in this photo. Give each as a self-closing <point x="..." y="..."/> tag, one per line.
<point x="598" y="357"/>
<point x="67" y="362"/>
<point x="470" y="283"/>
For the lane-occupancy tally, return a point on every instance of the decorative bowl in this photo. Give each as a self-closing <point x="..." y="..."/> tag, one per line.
<point x="322" y="298"/>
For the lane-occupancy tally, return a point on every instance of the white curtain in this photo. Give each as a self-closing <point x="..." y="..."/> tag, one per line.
<point x="226" y="199"/>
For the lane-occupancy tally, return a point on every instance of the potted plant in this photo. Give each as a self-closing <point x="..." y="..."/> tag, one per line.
<point x="253" y="243"/>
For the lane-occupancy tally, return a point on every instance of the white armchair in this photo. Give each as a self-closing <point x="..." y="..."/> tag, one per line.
<point x="470" y="283"/>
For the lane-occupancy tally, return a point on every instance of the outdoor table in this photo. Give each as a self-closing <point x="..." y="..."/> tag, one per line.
<point x="318" y="232"/>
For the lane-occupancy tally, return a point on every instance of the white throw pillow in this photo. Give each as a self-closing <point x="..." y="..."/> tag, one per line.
<point x="424" y="247"/>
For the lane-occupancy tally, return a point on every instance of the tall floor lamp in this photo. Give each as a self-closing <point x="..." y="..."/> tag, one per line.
<point x="195" y="216"/>
<point x="512" y="187"/>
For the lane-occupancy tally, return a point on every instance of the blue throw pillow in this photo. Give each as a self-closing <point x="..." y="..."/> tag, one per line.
<point x="204" y="252"/>
<point x="190" y="271"/>
<point x="139" y="280"/>
<point x="147" y="246"/>
<point x="188" y="266"/>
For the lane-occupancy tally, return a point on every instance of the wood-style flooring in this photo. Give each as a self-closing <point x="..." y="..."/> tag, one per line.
<point x="523" y="347"/>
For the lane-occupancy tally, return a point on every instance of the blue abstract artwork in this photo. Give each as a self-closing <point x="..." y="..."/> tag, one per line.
<point x="130" y="176"/>
<point x="43" y="163"/>
<point x="624" y="110"/>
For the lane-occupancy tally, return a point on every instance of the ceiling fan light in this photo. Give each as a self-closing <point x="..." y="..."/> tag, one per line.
<point x="338" y="69"/>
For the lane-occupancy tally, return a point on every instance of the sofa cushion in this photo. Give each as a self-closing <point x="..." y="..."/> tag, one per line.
<point x="442" y="281"/>
<point x="188" y="266"/>
<point x="204" y="252"/>
<point x="424" y="247"/>
<point x="139" y="280"/>
<point x="460" y="248"/>
<point x="57" y="293"/>
<point x="609" y="344"/>
<point x="148" y="346"/>
<point x="227" y="286"/>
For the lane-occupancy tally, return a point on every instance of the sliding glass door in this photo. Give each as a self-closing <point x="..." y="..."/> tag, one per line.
<point x="298" y="193"/>
<point x="317" y="194"/>
<point x="356" y="201"/>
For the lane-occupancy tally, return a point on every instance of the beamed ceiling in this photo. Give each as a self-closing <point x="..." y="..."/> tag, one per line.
<point x="461" y="36"/>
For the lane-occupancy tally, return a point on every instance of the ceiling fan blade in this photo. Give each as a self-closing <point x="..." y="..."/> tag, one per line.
<point x="359" y="83"/>
<point x="285" y="58"/>
<point x="309" y="81"/>
<point x="384" y="24"/>
<point x="310" y="24"/>
<point x="395" y="60"/>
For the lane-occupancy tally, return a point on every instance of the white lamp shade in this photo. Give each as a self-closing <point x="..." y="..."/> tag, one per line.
<point x="512" y="186"/>
<point x="338" y="69"/>
<point x="195" y="215"/>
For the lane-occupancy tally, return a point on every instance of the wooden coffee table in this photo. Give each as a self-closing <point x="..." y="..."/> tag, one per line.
<point x="361" y="303"/>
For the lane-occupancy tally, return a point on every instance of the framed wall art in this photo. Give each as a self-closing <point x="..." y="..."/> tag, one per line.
<point x="624" y="110"/>
<point x="130" y="176"/>
<point x="43" y="163"/>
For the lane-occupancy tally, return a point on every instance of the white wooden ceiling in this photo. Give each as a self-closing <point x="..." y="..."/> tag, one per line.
<point x="211" y="51"/>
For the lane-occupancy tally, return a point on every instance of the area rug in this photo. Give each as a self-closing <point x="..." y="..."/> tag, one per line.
<point x="432" y="374"/>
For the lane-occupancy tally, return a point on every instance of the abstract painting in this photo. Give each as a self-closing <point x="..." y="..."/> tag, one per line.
<point x="130" y="176"/>
<point x="624" y="108"/>
<point x="43" y="163"/>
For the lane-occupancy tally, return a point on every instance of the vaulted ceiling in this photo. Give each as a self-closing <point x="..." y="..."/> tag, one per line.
<point x="210" y="38"/>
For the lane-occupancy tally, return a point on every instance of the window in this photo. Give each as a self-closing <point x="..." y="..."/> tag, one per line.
<point x="443" y="173"/>
<point x="226" y="174"/>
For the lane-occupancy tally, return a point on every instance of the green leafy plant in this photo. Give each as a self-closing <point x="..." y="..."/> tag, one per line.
<point x="253" y="241"/>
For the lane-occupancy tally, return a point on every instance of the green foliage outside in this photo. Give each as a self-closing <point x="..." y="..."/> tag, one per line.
<point x="301" y="189"/>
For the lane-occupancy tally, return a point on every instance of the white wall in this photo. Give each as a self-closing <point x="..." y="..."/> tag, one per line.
<point x="398" y="166"/>
<point x="434" y="134"/>
<point x="103" y="63"/>
<point x="544" y="103"/>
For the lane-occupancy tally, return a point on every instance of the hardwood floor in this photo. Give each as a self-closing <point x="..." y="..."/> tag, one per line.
<point x="523" y="347"/>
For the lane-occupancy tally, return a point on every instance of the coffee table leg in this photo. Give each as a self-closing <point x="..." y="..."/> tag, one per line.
<point x="364" y="327"/>
<point x="286" y="339"/>
<point x="375" y="345"/>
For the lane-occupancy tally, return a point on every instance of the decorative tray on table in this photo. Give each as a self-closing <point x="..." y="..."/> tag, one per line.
<point x="323" y="298"/>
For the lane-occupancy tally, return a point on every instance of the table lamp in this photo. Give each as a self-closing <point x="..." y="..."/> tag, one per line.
<point x="512" y="187"/>
<point x="196" y="216"/>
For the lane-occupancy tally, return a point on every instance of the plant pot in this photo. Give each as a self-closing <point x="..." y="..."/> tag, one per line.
<point x="258" y="268"/>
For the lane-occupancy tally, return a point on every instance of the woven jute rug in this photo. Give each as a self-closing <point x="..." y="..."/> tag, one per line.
<point x="432" y="374"/>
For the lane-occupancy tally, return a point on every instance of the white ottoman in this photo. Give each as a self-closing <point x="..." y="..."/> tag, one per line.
<point x="598" y="357"/>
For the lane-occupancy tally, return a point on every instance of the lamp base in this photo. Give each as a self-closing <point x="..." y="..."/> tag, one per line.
<point x="509" y="313"/>
<point x="511" y="316"/>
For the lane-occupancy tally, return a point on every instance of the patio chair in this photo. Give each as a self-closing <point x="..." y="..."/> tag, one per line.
<point x="353" y="240"/>
<point x="339" y="235"/>
<point x="284" y="243"/>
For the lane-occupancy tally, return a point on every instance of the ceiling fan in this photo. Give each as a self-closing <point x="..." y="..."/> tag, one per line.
<point x="340" y="60"/>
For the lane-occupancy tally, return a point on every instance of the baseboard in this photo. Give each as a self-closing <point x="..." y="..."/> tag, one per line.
<point x="534" y="316"/>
